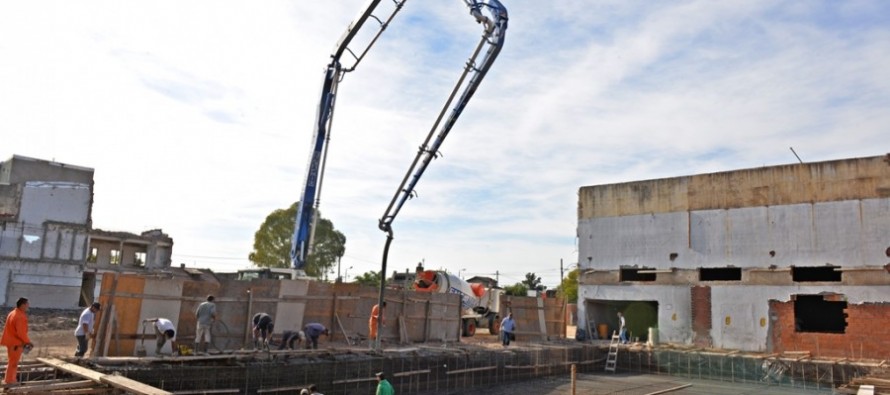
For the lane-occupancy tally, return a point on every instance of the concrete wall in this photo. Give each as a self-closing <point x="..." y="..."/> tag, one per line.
<point x="45" y="210"/>
<point x="45" y="249"/>
<point x="765" y="221"/>
<point x="45" y="284"/>
<point x="844" y="233"/>
<point x="20" y="169"/>
<point x="848" y="179"/>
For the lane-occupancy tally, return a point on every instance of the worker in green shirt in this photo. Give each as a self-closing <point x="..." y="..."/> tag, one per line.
<point x="383" y="386"/>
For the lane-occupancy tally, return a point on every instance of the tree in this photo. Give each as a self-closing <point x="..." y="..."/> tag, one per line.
<point x="272" y="243"/>
<point x="371" y="278"/>
<point x="533" y="282"/>
<point x="568" y="289"/>
<point x="518" y="289"/>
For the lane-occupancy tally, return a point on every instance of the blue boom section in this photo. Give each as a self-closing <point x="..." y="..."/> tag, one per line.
<point x="304" y="224"/>
<point x="305" y="217"/>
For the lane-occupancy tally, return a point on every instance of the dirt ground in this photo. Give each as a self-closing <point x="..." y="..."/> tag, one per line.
<point x="51" y="331"/>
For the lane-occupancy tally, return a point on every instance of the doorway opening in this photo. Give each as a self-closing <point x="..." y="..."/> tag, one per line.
<point x="602" y="318"/>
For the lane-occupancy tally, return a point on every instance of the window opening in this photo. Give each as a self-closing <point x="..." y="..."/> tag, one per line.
<point x="115" y="257"/>
<point x="815" y="274"/>
<point x="812" y="313"/>
<point x="94" y="255"/>
<point x="635" y="275"/>
<point x="140" y="259"/>
<point x="720" y="274"/>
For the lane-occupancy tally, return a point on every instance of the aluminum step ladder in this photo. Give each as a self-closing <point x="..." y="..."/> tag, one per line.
<point x="612" y="358"/>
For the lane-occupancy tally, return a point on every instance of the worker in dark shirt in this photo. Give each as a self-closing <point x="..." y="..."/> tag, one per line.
<point x="290" y="339"/>
<point x="262" y="330"/>
<point x="313" y="330"/>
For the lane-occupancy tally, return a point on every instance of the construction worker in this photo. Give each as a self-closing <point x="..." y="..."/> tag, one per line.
<point x="508" y="326"/>
<point x="383" y="385"/>
<point x="86" y="329"/>
<point x="263" y="324"/>
<point x="15" y="338"/>
<point x="372" y="322"/>
<point x="291" y="340"/>
<point x="205" y="315"/>
<point x="622" y="328"/>
<point x="164" y="330"/>
<point x="313" y="330"/>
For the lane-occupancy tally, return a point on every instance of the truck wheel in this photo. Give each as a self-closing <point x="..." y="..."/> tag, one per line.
<point x="469" y="328"/>
<point x="494" y="327"/>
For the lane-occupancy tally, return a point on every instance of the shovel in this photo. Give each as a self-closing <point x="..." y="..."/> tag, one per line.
<point x="140" y="347"/>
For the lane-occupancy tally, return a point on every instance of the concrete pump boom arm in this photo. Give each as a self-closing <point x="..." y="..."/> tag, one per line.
<point x="306" y="215"/>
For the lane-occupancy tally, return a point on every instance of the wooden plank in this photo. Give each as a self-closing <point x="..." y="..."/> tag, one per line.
<point x="73" y="369"/>
<point x="133" y="386"/>
<point x="677" y="388"/>
<point x="119" y="382"/>
<point x="460" y="371"/>
<point x="106" y="339"/>
<point x="293" y="389"/>
<point x="43" y="388"/>
<point x="104" y="321"/>
<point x="340" y="324"/>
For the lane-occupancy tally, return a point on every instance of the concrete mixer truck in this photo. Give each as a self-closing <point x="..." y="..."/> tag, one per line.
<point x="479" y="304"/>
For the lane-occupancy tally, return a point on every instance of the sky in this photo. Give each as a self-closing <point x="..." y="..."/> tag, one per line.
<point x="197" y="115"/>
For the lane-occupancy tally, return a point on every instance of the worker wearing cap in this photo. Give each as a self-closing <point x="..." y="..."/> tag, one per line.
<point x="86" y="327"/>
<point x="383" y="386"/>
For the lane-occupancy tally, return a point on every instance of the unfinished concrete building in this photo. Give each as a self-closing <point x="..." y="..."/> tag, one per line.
<point x="123" y="252"/>
<point x="48" y="249"/>
<point x="773" y="259"/>
<point x="45" y="210"/>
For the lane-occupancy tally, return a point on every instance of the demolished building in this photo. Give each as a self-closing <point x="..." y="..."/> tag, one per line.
<point x="772" y="259"/>
<point x="49" y="251"/>
<point x="45" y="215"/>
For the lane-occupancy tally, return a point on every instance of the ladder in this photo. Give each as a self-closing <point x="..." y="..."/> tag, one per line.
<point x="612" y="359"/>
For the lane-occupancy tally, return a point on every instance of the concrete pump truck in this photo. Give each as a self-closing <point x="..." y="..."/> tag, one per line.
<point x="483" y="56"/>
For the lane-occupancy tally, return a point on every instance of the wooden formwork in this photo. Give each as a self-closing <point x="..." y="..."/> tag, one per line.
<point x="536" y="318"/>
<point x="129" y="299"/>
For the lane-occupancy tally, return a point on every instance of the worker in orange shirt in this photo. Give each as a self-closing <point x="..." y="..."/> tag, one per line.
<point x="15" y="338"/>
<point x="372" y="323"/>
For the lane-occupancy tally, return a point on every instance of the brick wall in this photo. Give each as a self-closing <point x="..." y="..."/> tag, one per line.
<point x="701" y="316"/>
<point x="866" y="336"/>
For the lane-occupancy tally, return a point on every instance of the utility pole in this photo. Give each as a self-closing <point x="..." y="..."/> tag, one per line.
<point x="560" y="271"/>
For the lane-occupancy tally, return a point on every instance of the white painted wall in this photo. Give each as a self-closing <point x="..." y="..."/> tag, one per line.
<point x="55" y="201"/>
<point x="674" y="307"/>
<point x="846" y="233"/>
